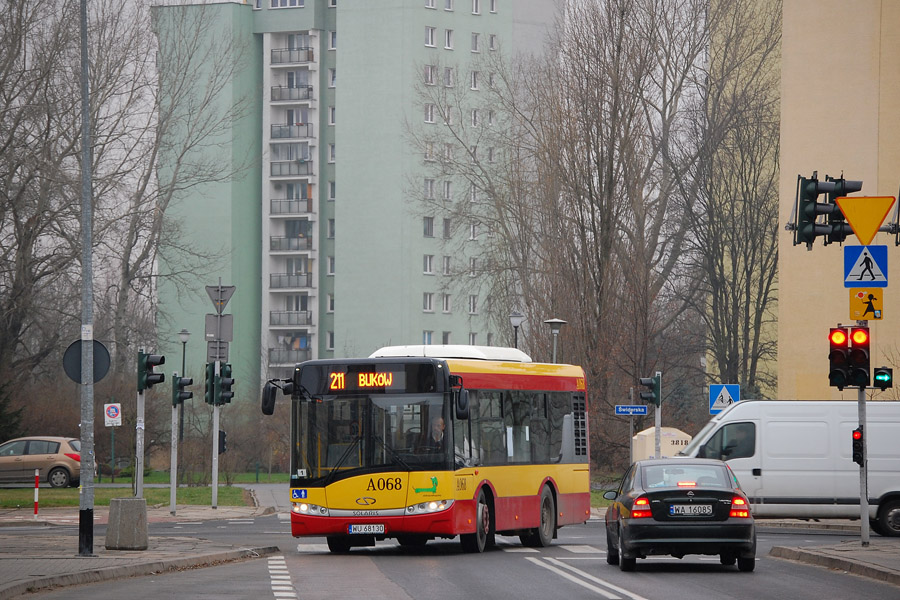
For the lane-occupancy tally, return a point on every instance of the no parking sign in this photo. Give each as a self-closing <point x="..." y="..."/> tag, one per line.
<point x="113" y="414"/>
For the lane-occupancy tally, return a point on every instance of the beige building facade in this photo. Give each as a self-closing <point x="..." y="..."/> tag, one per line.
<point x="840" y="115"/>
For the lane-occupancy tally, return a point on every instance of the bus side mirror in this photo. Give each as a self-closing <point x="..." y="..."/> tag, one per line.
<point x="268" y="398"/>
<point x="462" y="404"/>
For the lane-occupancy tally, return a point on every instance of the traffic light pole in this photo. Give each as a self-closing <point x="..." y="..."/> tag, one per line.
<point x="173" y="461"/>
<point x="863" y="468"/>
<point x="215" y="446"/>
<point x="139" y="447"/>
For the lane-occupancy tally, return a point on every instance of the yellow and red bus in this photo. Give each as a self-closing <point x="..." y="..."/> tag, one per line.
<point x="426" y="442"/>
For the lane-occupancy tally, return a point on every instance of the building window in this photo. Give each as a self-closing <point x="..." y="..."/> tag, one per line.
<point x="493" y="6"/>
<point x="448" y="152"/>
<point x="329" y="341"/>
<point x="445" y="303"/>
<point x="475" y="39"/>
<point x="429" y="189"/>
<point x="331" y="229"/>
<point x="473" y="231"/>
<point x="445" y="338"/>
<point x="429" y="151"/>
<point x="332" y="40"/>
<point x="473" y="267"/>
<point x="429" y="113"/>
<point x="331" y="154"/>
<point x="428" y="225"/>
<point x="330" y="303"/>
<point x="426" y="337"/>
<point x="490" y="339"/>
<point x="473" y="339"/>
<point x="429" y="3"/>
<point x="490" y="117"/>
<point x="474" y="117"/>
<point x="490" y="155"/>
<point x="448" y="76"/>
<point x="448" y="115"/>
<point x="332" y="188"/>
<point x="445" y="266"/>
<point x="473" y="304"/>
<point x="428" y="302"/>
<point x="448" y="191"/>
<point x="473" y="193"/>
<point x="331" y="265"/>
<point x="448" y="39"/>
<point x="492" y="41"/>
<point x="429" y="74"/>
<point x="475" y="77"/>
<point x="331" y="115"/>
<point x="332" y="77"/>
<point x="446" y="228"/>
<point x="429" y="36"/>
<point x="448" y="4"/>
<point x="476" y="7"/>
<point x="428" y="264"/>
<point x="287" y="3"/>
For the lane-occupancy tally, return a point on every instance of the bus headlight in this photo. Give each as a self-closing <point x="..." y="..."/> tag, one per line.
<point x="309" y="509"/>
<point x="432" y="506"/>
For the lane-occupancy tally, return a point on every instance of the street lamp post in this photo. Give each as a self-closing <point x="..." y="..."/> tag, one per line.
<point x="555" y="326"/>
<point x="516" y="319"/>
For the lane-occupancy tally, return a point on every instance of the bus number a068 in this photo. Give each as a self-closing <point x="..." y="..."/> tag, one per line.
<point x="385" y="483"/>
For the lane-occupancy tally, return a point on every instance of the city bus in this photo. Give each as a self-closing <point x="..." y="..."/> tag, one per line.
<point x="418" y="443"/>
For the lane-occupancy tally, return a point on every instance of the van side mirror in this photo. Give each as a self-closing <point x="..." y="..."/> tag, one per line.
<point x="268" y="398"/>
<point x="701" y="451"/>
<point x="462" y="404"/>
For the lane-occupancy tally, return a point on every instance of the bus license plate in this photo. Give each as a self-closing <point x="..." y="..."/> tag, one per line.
<point x="367" y="528"/>
<point x="690" y="509"/>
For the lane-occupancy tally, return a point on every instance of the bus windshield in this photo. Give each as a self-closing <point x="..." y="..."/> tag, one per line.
<point x="341" y="436"/>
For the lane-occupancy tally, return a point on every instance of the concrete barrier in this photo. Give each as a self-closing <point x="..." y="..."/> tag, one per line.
<point x="127" y="527"/>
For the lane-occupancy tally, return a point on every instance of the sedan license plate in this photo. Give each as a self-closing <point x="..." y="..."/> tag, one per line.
<point x="690" y="509"/>
<point x="367" y="528"/>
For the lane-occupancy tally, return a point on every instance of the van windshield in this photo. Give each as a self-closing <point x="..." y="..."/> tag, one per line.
<point x="697" y="441"/>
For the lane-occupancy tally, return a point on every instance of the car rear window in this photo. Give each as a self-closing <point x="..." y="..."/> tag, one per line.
<point x="76" y="445"/>
<point x="43" y="447"/>
<point x="662" y="475"/>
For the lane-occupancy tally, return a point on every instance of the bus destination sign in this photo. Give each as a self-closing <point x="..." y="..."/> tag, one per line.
<point x="343" y="381"/>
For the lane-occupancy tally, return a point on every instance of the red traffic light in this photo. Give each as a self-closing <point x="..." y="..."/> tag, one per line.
<point x="857" y="434"/>
<point x="860" y="337"/>
<point x="838" y="337"/>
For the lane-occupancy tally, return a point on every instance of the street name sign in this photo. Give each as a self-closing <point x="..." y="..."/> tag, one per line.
<point x="631" y="409"/>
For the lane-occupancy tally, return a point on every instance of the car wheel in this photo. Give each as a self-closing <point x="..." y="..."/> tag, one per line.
<point x="746" y="563"/>
<point x="875" y="525"/>
<point x="58" y="478"/>
<point x="612" y="553"/>
<point x="338" y="544"/>
<point x="625" y="563"/>
<point x="889" y="519"/>
<point x="727" y="559"/>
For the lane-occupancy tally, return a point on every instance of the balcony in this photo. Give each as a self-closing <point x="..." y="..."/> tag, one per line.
<point x="292" y="168"/>
<point x="282" y="318"/>
<point x="280" y="356"/>
<point x="292" y="56"/>
<point x="278" y="281"/>
<point x="287" y="132"/>
<point x="289" y="244"/>
<point x="289" y="94"/>
<point x="285" y="206"/>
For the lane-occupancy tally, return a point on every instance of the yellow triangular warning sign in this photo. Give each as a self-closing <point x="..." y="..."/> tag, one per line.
<point x="865" y="214"/>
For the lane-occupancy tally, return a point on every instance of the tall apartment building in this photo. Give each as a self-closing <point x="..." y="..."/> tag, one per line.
<point x="321" y="234"/>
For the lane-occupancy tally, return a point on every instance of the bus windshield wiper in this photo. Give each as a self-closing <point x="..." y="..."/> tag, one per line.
<point x="393" y="453"/>
<point x="341" y="460"/>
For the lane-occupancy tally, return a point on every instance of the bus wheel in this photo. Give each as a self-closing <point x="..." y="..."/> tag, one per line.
<point x="476" y="542"/>
<point x="338" y="544"/>
<point x="542" y="536"/>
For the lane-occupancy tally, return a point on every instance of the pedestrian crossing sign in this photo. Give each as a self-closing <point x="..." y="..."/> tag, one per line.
<point x="866" y="304"/>
<point x="721" y="396"/>
<point x="865" y="266"/>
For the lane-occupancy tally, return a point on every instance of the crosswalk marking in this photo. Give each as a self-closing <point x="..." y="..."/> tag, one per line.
<point x="280" y="578"/>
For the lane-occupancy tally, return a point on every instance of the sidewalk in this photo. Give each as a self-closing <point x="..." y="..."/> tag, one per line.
<point x="46" y="559"/>
<point x="50" y="559"/>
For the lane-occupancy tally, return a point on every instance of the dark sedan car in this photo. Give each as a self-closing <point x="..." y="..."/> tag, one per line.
<point x="679" y="506"/>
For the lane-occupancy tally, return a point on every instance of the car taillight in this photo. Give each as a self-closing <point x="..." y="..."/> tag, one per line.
<point x="739" y="508"/>
<point x="74" y="456"/>
<point x="641" y="508"/>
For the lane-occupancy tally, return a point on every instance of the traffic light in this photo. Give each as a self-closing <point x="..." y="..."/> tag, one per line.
<point x="654" y="385"/>
<point x="859" y="356"/>
<point x="839" y="358"/>
<point x="840" y="228"/>
<point x="883" y="378"/>
<point x="209" y="384"/>
<point x="222" y="446"/>
<point x="146" y="377"/>
<point x="179" y="394"/>
<point x="224" y="381"/>
<point x="808" y="210"/>
<point x="858" y="446"/>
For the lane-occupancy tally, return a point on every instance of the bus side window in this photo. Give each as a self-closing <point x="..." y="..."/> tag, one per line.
<point x="540" y="428"/>
<point x="493" y="440"/>
<point x="560" y="406"/>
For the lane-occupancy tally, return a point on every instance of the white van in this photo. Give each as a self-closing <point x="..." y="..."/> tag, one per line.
<point x="793" y="458"/>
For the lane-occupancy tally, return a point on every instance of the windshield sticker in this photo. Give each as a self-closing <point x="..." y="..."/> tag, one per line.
<point x="298" y="494"/>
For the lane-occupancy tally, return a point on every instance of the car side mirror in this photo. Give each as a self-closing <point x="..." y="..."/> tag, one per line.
<point x="610" y="495"/>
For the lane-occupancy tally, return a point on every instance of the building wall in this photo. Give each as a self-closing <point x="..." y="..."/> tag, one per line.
<point x="840" y="103"/>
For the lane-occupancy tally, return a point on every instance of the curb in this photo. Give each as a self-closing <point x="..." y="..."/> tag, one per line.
<point x="147" y="568"/>
<point x="831" y="562"/>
